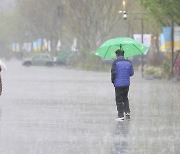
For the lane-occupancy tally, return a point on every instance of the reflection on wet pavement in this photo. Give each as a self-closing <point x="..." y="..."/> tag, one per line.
<point x="120" y="137"/>
<point x="66" y="111"/>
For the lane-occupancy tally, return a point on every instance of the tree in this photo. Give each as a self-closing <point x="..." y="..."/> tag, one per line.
<point x="9" y="31"/>
<point x="93" y="21"/>
<point x="42" y="18"/>
<point x="163" y="10"/>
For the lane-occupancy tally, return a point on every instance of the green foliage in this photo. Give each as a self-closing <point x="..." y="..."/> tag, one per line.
<point x="96" y="64"/>
<point x="159" y="72"/>
<point x="163" y="10"/>
<point x="156" y="72"/>
<point x="87" y="61"/>
<point x="166" y="68"/>
<point x="149" y="70"/>
<point x="11" y="26"/>
<point x="41" y="17"/>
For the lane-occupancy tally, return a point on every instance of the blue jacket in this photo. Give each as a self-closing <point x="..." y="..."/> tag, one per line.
<point x="121" y="72"/>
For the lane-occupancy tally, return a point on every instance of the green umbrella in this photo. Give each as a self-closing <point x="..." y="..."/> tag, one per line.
<point x="131" y="48"/>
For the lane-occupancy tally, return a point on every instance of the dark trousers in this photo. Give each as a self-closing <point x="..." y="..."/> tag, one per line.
<point x="122" y="101"/>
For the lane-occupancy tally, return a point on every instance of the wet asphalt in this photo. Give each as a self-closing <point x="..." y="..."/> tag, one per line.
<point x="59" y="110"/>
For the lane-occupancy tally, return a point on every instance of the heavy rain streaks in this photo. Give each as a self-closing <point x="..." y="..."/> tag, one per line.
<point x="59" y="110"/>
<point x="65" y="67"/>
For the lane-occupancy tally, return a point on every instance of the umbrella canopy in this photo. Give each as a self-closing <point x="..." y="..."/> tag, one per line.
<point x="130" y="46"/>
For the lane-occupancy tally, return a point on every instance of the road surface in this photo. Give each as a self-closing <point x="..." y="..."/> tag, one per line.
<point x="65" y="111"/>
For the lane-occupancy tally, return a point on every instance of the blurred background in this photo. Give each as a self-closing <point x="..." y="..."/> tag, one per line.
<point x="71" y="30"/>
<point x="60" y="107"/>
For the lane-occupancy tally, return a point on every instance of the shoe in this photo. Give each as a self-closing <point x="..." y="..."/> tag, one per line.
<point x="127" y="115"/>
<point x="120" y="119"/>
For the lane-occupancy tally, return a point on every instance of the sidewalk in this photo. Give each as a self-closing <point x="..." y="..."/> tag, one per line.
<point x="65" y="111"/>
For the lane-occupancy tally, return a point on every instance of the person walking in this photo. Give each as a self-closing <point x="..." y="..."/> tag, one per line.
<point x="0" y="82"/>
<point x="121" y="72"/>
<point x="2" y="68"/>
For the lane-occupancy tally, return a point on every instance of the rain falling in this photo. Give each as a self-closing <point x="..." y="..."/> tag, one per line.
<point x="89" y="77"/>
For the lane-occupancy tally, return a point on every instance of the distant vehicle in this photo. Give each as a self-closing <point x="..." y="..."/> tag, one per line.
<point x="39" y="60"/>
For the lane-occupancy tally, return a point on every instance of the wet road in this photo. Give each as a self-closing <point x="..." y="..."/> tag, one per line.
<point x="65" y="111"/>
